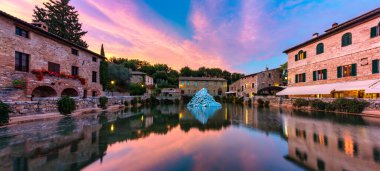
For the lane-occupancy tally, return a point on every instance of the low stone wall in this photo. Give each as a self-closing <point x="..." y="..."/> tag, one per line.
<point x="374" y="104"/>
<point x="49" y="105"/>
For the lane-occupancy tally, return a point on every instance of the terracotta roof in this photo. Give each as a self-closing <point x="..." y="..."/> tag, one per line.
<point x="201" y="79"/>
<point x="341" y="27"/>
<point x="45" y="33"/>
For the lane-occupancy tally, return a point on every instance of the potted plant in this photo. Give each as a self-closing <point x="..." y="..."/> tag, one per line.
<point x="18" y="84"/>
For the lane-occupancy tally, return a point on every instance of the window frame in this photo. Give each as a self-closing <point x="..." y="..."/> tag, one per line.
<point x="346" y="39"/>
<point x="75" y="51"/>
<point x="94" y="76"/>
<point x="19" y="32"/>
<point x="54" y="67"/>
<point x="320" y="48"/>
<point x="19" y="61"/>
<point x="74" y="71"/>
<point x="94" y="59"/>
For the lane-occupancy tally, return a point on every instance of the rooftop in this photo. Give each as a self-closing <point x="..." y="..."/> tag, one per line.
<point x="45" y="33"/>
<point x="137" y="73"/>
<point x="338" y="28"/>
<point x="201" y="79"/>
<point x="250" y="75"/>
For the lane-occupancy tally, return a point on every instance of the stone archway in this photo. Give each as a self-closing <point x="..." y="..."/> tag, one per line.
<point x="44" y="91"/>
<point x="70" y="92"/>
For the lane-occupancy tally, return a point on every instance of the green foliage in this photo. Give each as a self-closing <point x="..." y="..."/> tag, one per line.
<point x="62" y="20"/>
<point x="186" y="99"/>
<point x="240" y="100"/>
<point x="102" y="53"/>
<point x="217" y="98"/>
<point x="301" y="103"/>
<point x="134" y="102"/>
<point x="266" y="104"/>
<point x="126" y="103"/>
<point x="5" y="109"/>
<point x="249" y="101"/>
<point x="136" y="89"/>
<point x="18" y="83"/>
<point x="318" y="104"/>
<point x="66" y="105"/>
<point x="103" y="73"/>
<point x="103" y="102"/>
<point x="119" y="74"/>
<point x="350" y="105"/>
<point x="260" y="102"/>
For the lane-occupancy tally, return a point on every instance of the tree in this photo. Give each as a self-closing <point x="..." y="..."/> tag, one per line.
<point x="103" y="73"/>
<point x="186" y="72"/>
<point x="120" y="75"/>
<point x="62" y="20"/>
<point x="284" y="68"/>
<point x="102" y="51"/>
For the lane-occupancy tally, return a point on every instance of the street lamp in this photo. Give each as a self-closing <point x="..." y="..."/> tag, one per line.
<point x="112" y="86"/>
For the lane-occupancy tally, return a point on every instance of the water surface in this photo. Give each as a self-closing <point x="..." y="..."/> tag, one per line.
<point x="170" y="137"/>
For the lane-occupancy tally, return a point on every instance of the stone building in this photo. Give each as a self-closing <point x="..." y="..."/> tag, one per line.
<point x="138" y="77"/>
<point x="342" y="62"/>
<point x="190" y="85"/>
<point x="250" y="85"/>
<point x="35" y="63"/>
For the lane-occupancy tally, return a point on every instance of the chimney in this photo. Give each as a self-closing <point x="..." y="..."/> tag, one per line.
<point x="266" y="68"/>
<point x="334" y="25"/>
<point x="315" y="35"/>
<point x="41" y="25"/>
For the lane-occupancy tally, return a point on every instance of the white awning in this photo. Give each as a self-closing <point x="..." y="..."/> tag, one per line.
<point x="231" y="92"/>
<point x="307" y="90"/>
<point x="355" y="85"/>
<point x="370" y="86"/>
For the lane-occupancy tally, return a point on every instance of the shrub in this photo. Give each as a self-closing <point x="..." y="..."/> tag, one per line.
<point x="5" y="109"/>
<point x="260" y="102"/>
<point x="350" y="105"/>
<point x="217" y="98"/>
<point x="126" y="103"/>
<point x="66" y="105"/>
<point x="300" y="103"/>
<point x="103" y="102"/>
<point x="239" y="100"/>
<point x="330" y="107"/>
<point x="18" y="84"/>
<point x="176" y="101"/>
<point x="134" y="101"/>
<point x="266" y="104"/>
<point x="249" y="101"/>
<point x="186" y="99"/>
<point x="318" y="104"/>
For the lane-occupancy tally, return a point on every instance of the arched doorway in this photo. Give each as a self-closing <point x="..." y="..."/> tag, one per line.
<point x="70" y="92"/>
<point x="44" y="91"/>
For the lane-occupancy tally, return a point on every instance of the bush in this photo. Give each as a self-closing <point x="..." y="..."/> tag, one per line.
<point x="266" y="104"/>
<point x="134" y="101"/>
<point x="318" y="104"/>
<point x="103" y="102"/>
<point x="126" y="103"/>
<point x="186" y="99"/>
<point x="176" y="101"/>
<point x="137" y="89"/>
<point x="330" y="107"/>
<point x="249" y="101"/>
<point x="66" y="105"/>
<point x="239" y="100"/>
<point x="350" y="105"/>
<point x="260" y="102"/>
<point x="300" y="103"/>
<point x="5" y="109"/>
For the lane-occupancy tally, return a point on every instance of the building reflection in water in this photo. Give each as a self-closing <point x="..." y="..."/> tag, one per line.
<point x="327" y="141"/>
<point x="315" y="141"/>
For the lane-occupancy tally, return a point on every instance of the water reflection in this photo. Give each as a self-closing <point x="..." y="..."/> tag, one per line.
<point x="202" y="114"/>
<point x="173" y="138"/>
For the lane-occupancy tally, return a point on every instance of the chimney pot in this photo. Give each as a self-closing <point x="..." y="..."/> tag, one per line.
<point x="315" y="35"/>
<point x="334" y="25"/>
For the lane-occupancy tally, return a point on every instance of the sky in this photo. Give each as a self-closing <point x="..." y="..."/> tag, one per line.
<point x="237" y="35"/>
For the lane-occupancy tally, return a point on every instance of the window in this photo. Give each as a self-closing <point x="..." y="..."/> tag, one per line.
<point x="253" y="85"/>
<point x="375" y="31"/>
<point x="74" y="71"/>
<point x="21" y="62"/>
<point x="346" y="39"/>
<point x="320" y="48"/>
<point x="269" y="75"/>
<point x="94" y="76"/>
<point x="94" y="59"/>
<point x="346" y="71"/>
<point x="320" y="75"/>
<point x="301" y="55"/>
<point x="53" y="67"/>
<point x="22" y="32"/>
<point x="375" y="66"/>
<point x="74" y="51"/>
<point x="320" y="139"/>
<point x="93" y="93"/>
<point x="320" y="164"/>
<point x="300" y="78"/>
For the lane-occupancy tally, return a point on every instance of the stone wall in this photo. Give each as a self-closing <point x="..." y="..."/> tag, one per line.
<point x="362" y="51"/>
<point x="49" y="105"/>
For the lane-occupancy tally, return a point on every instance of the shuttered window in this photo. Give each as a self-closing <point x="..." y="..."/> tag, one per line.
<point x="347" y="71"/>
<point x="300" y="77"/>
<point x="374" y="31"/>
<point x="21" y="62"/>
<point x="320" y="48"/>
<point x="53" y="67"/>
<point x="320" y="75"/>
<point x="346" y="39"/>
<point x="375" y="66"/>
<point x="74" y="71"/>
<point x="300" y="56"/>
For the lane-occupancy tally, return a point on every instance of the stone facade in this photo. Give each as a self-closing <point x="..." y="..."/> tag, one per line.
<point x="42" y="48"/>
<point x="250" y="85"/>
<point x="190" y="85"/>
<point x="361" y="52"/>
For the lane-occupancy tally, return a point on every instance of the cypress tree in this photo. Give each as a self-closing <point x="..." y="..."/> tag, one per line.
<point x="102" y="51"/>
<point x="62" y="20"/>
<point x="103" y="70"/>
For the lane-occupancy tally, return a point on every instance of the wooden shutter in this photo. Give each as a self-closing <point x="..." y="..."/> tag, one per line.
<point x="324" y="72"/>
<point x="374" y="31"/>
<point x="296" y="57"/>
<point x="339" y="72"/>
<point x="375" y="66"/>
<point x="304" y="55"/>
<point x="314" y="75"/>
<point x="296" y="78"/>
<point x="353" y="70"/>
<point x="304" y="77"/>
